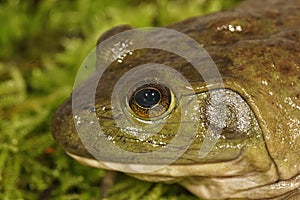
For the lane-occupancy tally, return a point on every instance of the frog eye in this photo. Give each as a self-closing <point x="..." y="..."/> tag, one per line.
<point x="151" y="100"/>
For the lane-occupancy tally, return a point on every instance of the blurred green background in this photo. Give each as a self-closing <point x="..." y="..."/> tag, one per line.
<point x="42" y="44"/>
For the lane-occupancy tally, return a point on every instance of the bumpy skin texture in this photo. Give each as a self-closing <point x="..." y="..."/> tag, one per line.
<point x="259" y="59"/>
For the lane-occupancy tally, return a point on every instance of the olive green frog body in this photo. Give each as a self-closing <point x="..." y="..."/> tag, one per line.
<point x="256" y="49"/>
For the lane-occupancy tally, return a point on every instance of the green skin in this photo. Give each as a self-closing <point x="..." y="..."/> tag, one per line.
<point x="260" y="65"/>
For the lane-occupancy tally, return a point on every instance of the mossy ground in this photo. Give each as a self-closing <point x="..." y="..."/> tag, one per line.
<point x="42" y="45"/>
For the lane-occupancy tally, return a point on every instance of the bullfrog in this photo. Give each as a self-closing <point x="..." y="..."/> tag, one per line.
<point x="233" y="125"/>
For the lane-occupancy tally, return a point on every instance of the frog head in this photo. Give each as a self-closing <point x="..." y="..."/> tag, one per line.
<point x="152" y="114"/>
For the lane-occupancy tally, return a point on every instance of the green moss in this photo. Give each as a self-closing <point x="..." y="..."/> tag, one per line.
<point x="42" y="46"/>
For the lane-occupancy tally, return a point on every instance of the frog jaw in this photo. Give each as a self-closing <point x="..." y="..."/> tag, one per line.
<point x="230" y="179"/>
<point x="205" y="180"/>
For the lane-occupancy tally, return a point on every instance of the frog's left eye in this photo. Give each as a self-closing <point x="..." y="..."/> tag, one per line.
<point x="151" y="100"/>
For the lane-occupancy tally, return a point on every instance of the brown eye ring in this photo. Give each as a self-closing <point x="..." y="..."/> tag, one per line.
<point x="150" y="100"/>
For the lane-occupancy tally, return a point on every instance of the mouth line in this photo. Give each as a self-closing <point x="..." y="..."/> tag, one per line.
<point x="222" y="169"/>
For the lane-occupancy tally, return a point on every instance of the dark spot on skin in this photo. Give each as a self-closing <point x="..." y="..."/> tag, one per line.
<point x="223" y="61"/>
<point x="279" y="23"/>
<point x="286" y="70"/>
<point x="272" y="14"/>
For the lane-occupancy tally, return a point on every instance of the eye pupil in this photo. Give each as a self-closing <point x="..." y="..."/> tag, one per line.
<point x="147" y="97"/>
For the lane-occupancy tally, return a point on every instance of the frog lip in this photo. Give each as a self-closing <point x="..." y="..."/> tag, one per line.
<point x="234" y="167"/>
<point x="175" y="170"/>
